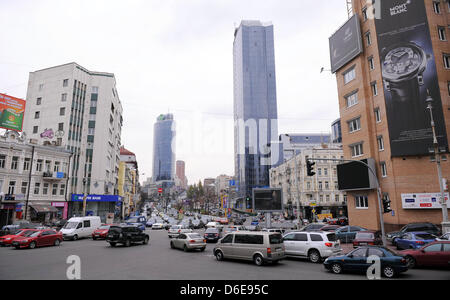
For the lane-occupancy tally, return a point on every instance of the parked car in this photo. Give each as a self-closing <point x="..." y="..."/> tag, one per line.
<point x="188" y="241"/>
<point x="414" y="240"/>
<point x="259" y="247"/>
<point x="101" y="232"/>
<point x="139" y="221"/>
<point x="313" y="227"/>
<point x="347" y="234"/>
<point x="231" y="229"/>
<point x="252" y="228"/>
<point x="445" y="237"/>
<point x="413" y="227"/>
<point x="356" y="261"/>
<point x="82" y="227"/>
<point x="158" y="226"/>
<point x="176" y="230"/>
<point x="39" y="238"/>
<point x="6" y="240"/>
<point x="274" y="230"/>
<point x="330" y="228"/>
<point x="313" y="245"/>
<point x="367" y="238"/>
<point x="126" y="235"/>
<point x="436" y="254"/>
<point x="223" y="221"/>
<point x="212" y="235"/>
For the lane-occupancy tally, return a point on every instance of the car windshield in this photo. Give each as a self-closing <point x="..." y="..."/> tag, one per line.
<point x="28" y="233"/>
<point x="364" y="235"/>
<point x="425" y="236"/>
<point x="34" y="234"/>
<point x="20" y="232"/>
<point x="276" y="239"/>
<point x="211" y="231"/>
<point x="71" y="225"/>
<point x="104" y="227"/>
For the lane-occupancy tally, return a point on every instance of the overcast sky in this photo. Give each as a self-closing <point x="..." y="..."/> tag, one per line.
<point x="176" y="56"/>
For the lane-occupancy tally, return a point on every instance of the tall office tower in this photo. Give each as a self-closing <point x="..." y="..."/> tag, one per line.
<point x="255" y="105"/>
<point x="389" y="57"/>
<point x="81" y="111"/>
<point x="164" y="149"/>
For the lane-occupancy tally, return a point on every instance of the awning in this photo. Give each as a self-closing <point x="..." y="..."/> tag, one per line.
<point x="42" y="209"/>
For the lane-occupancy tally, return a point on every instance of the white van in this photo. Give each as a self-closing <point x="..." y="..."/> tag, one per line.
<point x="83" y="227"/>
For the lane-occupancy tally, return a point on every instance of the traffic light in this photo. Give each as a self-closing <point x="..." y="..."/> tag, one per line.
<point x="387" y="204"/>
<point x="310" y="165"/>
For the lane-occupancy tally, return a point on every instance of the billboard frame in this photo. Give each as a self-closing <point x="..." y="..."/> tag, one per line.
<point x="267" y="190"/>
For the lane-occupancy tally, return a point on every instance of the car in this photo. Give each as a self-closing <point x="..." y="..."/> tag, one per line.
<point x="231" y="229"/>
<point x="436" y="254"/>
<point x="158" y="226"/>
<point x="77" y="228"/>
<point x="313" y="227"/>
<point x="150" y="223"/>
<point x="214" y="225"/>
<point x="38" y="238"/>
<point x="445" y="237"/>
<point x="367" y="238"/>
<point x="188" y="242"/>
<point x="101" y="232"/>
<point x="176" y="230"/>
<point x="259" y="247"/>
<point x="212" y="235"/>
<point x="330" y="228"/>
<point x="313" y="245"/>
<point x="347" y="234"/>
<point x="224" y="221"/>
<point x="126" y="235"/>
<point x="138" y="225"/>
<point x="356" y="261"/>
<point x="414" y="240"/>
<point x="6" y="240"/>
<point x="333" y="221"/>
<point x="413" y="227"/>
<point x="274" y="230"/>
<point x="136" y="219"/>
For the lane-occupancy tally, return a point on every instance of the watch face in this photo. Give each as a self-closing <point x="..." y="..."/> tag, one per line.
<point x="402" y="62"/>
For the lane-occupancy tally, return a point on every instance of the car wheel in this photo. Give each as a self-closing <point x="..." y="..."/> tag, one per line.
<point x="75" y="237"/>
<point x="389" y="272"/>
<point x="185" y="248"/>
<point x="336" y="268"/>
<point x="203" y="249"/>
<point x="219" y="255"/>
<point x="57" y="242"/>
<point x="394" y="242"/>
<point x="146" y="241"/>
<point x="127" y="243"/>
<point x="112" y="244"/>
<point x="172" y="246"/>
<point x="32" y="245"/>
<point x="94" y="238"/>
<point x="314" y="256"/>
<point x="258" y="260"/>
<point x="411" y="262"/>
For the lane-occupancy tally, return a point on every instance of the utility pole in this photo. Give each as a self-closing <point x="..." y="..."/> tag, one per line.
<point x="445" y="223"/>
<point x="84" y="197"/>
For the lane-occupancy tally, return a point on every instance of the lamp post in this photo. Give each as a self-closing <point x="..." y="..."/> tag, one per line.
<point x="445" y="224"/>
<point x="84" y="197"/>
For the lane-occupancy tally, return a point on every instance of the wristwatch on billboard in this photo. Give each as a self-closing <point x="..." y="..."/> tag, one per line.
<point x="403" y="66"/>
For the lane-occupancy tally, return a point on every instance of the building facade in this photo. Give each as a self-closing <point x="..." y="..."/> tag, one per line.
<point x="33" y="180"/>
<point x="79" y="110"/>
<point x="255" y="104"/>
<point x="293" y="144"/>
<point x="320" y="193"/>
<point x="129" y="187"/>
<point x="382" y="93"/>
<point x="182" y="181"/>
<point x="164" y="149"/>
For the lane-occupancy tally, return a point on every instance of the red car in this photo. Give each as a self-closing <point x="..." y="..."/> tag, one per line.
<point x="367" y="238"/>
<point x="38" y="238"/>
<point x="436" y="254"/>
<point x="101" y="232"/>
<point x="8" y="239"/>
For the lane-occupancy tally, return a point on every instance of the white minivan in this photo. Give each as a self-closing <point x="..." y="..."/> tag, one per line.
<point x="82" y="227"/>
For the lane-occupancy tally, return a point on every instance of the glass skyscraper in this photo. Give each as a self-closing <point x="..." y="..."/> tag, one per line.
<point x="164" y="149"/>
<point x="255" y="105"/>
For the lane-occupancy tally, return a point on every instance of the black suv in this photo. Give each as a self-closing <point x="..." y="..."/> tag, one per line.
<point x="126" y="235"/>
<point x="414" y="227"/>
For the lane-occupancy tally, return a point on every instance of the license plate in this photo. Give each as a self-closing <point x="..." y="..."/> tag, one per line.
<point x="279" y="249"/>
<point x="363" y="244"/>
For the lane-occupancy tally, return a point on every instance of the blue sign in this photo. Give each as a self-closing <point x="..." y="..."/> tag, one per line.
<point x="232" y="182"/>
<point x="97" y="198"/>
<point x="59" y="175"/>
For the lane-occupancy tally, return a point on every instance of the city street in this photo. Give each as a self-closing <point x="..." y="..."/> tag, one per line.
<point x="157" y="261"/>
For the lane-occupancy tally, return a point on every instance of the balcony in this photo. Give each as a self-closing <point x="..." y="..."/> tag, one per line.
<point x="54" y="176"/>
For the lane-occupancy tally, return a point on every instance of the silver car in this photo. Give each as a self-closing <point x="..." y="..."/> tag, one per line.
<point x="259" y="247"/>
<point x="189" y="241"/>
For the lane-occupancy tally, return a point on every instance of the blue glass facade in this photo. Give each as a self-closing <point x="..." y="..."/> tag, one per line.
<point x="255" y="105"/>
<point x="164" y="149"/>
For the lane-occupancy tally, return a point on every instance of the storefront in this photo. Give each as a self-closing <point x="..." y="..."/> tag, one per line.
<point x="43" y="213"/>
<point x="97" y="205"/>
<point x="62" y="208"/>
<point x="7" y="214"/>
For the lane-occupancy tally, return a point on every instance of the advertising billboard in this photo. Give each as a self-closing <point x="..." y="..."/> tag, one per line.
<point x="12" y="111"/>
<point x="356" y="176"/>
<point x="409" y="71"/>
<point x="268" y="200"/>
<point x="346" y="43"/>
<point x="423" y="201"/>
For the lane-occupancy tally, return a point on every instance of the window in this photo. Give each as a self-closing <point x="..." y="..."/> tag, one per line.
<point x="11" y="188"/>
<point x="62" y="190"/>
<point x="371" y="63"/>
<point x="447" y="61"/>
<point x="62" y="111"/>
<point x="319" y="171"/>
<point x="380" y="141"/>
<point x="354" y="125"/>
<point x="383" y="169"/>
<point x="320" y="185"/>
<point x="95" y="90"/>
<point x="441" y="33"/>
<point x="325" y="172"/>
<point x="65" y="82"/>
<point x="361" y="202"/>
<point x="37" y="188"/>
<point x="27" y="164"/>
<point x="374" y="89"/>
<point x="2" y="161"/>
<point x="327" y="185"/>
<point x="45" y="189"/>
<point x="63" y="97"/>
<point x="227" y="240"/>
<point x="377" y="115"/>
<point x="55" y="189"/>
<point x="57" y="166"/>
<point x="86" y="224"/>
<point x="316" y="238"/>
<point x="14" y="163"/>
<point x="23" y="190"/>
<point x="437" y="7"/>
<point x="352" y="99"/>
<point x="39" y="165"/>
<point x="38" y="101"/>
<point x="364" y="13"/>
<point x="37" y="115"/>
<point x="357" y="150"/>
<point x="359" y="252"/>
<point x="368" y="38"/>
<point x="433" y="248"/>
<point x="41" y="87"/>
<point x="35" y="129"/>
<point x="301" y="237"/>
<point x="61" y="126"/>
<point x="349" y="75"/>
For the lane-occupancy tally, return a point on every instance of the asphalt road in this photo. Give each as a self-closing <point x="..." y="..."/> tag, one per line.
<point x="157" y="261"/>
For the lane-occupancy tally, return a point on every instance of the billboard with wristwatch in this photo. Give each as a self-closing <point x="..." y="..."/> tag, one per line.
<point x="409" y="74"/>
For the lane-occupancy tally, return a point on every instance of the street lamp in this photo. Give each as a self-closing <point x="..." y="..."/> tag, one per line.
<point x="84" y="197"/>
<point x="445" y="224"/>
